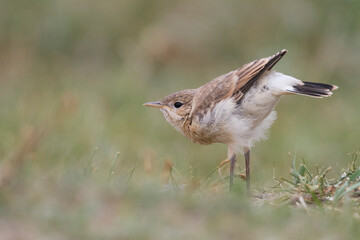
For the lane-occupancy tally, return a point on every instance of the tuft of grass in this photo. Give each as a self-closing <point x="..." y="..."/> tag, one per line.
<point x="306" y="188"/>
<point x="303" y="188"/>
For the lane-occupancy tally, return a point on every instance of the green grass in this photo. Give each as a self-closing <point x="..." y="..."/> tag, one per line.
<point x="71" y="191"/>
<point x="95" y="202"/>
<point x="81" y="158"/>
<point x="88" y="161"/>
<point x="306" y="189"/>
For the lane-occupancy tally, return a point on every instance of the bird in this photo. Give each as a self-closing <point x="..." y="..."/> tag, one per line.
<point x="237" y="108"/>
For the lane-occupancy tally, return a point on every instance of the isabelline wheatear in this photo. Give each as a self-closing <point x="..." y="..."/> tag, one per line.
<point x="236" y="108"/>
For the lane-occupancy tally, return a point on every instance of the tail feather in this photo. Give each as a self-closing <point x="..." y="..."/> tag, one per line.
<point x="321" y="85"/>
<point x="318" y="90"/>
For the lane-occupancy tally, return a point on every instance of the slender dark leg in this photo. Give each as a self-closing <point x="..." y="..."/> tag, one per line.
<point x="232" y="167"/>
<point x="247" y="166"/>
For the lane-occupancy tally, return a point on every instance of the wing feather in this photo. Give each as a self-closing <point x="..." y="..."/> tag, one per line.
<point x="232" y="85"/>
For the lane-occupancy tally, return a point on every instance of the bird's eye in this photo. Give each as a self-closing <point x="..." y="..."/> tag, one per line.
<point x="178" y="104"/>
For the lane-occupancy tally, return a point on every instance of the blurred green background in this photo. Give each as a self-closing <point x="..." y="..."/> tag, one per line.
<point x="75" y="73"/>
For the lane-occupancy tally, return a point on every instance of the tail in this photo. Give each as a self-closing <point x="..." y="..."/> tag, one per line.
<point x="317" y="90"/>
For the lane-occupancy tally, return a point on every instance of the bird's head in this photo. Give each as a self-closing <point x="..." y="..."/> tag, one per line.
<point x="176" y="107"/>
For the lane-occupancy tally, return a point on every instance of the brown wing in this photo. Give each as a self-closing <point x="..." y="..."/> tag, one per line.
<point x="233" y="84"/>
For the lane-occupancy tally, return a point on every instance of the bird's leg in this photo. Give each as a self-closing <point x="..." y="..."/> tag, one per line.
<point x="246" y="151"/>
<point x="232" y="167"/>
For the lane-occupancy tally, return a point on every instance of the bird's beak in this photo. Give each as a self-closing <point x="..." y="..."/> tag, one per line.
<point x="154" y="104"/>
